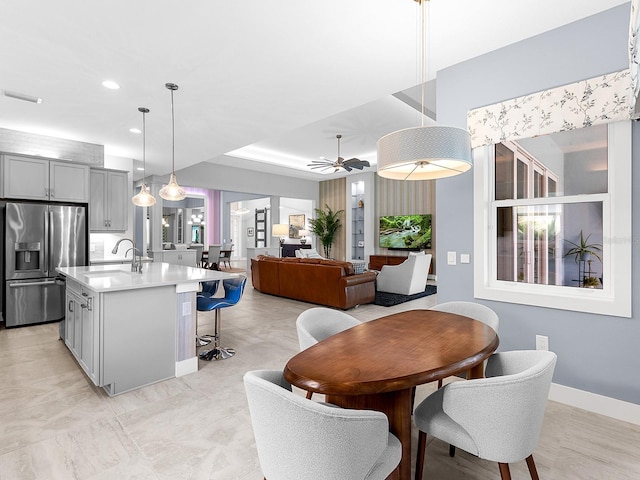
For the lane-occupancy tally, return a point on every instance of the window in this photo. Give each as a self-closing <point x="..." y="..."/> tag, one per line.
<point x="535" y="200"/>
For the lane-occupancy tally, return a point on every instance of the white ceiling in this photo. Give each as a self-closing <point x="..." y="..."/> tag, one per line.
<point x="276" y="79"/>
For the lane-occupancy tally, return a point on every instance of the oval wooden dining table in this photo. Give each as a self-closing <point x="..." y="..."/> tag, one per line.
<point x="377" y="364"/>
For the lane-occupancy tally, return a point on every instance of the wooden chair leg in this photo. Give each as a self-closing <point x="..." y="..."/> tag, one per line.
<point x="309" y="394"/>
<point x="422" y="446"/>
<point x="505" y="474"/>
<point x="532" y="468"/>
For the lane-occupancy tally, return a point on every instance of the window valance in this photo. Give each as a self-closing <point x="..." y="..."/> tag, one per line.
<point x="603" y="99"/>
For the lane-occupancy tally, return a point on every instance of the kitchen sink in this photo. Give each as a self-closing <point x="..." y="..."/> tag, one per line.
<point x="106" y="273"/>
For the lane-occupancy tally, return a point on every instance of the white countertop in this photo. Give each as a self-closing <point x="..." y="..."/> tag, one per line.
<point x="105" y="278"/>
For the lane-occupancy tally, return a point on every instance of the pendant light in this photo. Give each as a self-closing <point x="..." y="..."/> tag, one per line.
<point x="143" y="198"/>
<point x="425" y="152"/>
<point x="173" y="191"/>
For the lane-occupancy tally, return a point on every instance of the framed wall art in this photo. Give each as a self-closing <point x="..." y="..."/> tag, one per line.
<point x="296" y="223"/>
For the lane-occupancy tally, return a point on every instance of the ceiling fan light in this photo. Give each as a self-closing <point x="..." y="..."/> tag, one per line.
<point x="143" y="198"/>
<point x="424" y="153"/>
<point x="172" y="191"/>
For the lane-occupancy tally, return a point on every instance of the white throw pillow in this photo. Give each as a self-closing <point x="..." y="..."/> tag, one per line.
<point x="312" y="253"/>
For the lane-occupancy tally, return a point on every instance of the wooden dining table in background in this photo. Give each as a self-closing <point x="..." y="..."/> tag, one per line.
<point x="377" y="364"/>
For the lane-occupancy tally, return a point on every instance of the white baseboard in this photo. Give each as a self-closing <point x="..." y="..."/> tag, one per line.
<point x="592" y="402"/>
<point x="184" y="367"/>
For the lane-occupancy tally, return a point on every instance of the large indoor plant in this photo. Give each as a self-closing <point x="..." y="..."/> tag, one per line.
<point x="325" y="226"/>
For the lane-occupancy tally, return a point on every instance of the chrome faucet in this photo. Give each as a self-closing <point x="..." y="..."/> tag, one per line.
<point x="136" y="266"/>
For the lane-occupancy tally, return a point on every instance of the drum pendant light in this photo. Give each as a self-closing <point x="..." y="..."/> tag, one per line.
<point x="143" y="198"/>
<point x="173" y="191"/>
<point x="425" y="152"/>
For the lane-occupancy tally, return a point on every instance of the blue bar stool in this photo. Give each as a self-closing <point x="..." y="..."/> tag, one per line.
<point x="233" y="290"/>
<point x="209" y="289"/>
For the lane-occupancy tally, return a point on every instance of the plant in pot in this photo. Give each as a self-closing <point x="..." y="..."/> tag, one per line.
<point x="325" y="226"/>
<point x="590" y="282"/>
<point x="583" y="251"/>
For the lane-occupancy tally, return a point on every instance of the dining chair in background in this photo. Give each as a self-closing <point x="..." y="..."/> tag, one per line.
<point x="497" y="418"/>
<point x="300" y="439"/>
<point x="318" y="323"/>
<point x="213" y="256"/>
<point x="233" y="290"/>
<point x="225" y="255"/>
<point x="477" y="311"/>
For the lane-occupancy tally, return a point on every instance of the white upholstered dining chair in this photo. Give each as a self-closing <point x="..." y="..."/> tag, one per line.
<point x="299" y="439"/>
<point x="497" y="418"/>
<point x="318" y="323"/>
<point x="477" y="311"/>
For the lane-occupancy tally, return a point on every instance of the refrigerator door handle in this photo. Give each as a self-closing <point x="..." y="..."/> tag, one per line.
<point x="48" y="233"/>
<point x="31" y="284"/>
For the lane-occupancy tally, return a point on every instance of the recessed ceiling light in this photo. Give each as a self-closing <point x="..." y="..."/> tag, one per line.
<point x="110" y="84"/>
<point x="135" y="130"/>
<point x="140" y="169"/>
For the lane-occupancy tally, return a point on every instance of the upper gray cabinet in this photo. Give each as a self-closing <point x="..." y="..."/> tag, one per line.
<point x="109" y="201"/>
<point x="31" y="178"/>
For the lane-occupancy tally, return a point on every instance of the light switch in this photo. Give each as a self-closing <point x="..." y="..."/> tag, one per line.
<point x="451" y="258"/>
<point x="464" y="258"/>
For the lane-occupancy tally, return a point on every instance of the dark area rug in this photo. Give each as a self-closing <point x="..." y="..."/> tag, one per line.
<point x="390" y="299"/>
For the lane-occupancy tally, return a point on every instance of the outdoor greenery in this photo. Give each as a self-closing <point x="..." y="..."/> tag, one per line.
<point x="325" y="226"/>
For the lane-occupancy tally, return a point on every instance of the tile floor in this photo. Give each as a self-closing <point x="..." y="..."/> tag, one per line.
<point x="55" y="425"/>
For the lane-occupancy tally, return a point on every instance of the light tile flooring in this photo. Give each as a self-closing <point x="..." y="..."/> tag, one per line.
<point x="55" y="425"/>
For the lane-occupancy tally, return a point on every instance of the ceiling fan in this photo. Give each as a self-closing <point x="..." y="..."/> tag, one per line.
<point x="348" y="165"/>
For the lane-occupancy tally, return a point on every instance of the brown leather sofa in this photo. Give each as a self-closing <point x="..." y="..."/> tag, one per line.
<point x="314" y="280"/>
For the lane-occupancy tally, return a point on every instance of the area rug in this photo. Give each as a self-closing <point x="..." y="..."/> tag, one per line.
<point x="390" y="299"/>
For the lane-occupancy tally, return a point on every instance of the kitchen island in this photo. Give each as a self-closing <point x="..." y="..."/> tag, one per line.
<point x="129" y="329"/>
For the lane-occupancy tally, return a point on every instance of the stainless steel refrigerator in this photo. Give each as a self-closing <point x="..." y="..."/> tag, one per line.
<point x="37" y="239"/>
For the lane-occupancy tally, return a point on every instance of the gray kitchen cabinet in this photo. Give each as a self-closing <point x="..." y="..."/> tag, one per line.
<point x="34" y="178"/>
<point x="102" y="331"/>
<point x="81" y="328"/>
<point x="109" y="201"/>
<point x="188" y="258"/>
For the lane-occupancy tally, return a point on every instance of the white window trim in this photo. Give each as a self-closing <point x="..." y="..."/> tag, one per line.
<point x="615" y="296"/>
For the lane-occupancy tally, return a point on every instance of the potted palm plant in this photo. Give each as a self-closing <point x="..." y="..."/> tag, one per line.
<point x="325" y="226"/>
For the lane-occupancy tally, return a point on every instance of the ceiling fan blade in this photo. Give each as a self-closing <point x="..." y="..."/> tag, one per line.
<point x="357" y="163"/>
<point x="346" y="167"/>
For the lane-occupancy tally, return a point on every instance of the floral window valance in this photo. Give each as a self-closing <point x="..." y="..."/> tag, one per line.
<point x="603" y="99"/>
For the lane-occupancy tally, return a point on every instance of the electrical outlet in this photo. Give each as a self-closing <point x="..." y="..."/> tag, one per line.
<point x="186" y="309"/>
<point x="451" y="258"/>
<point x="542" y="342"/>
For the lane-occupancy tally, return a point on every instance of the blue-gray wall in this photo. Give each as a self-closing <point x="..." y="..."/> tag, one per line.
<point x="596" y="353"/>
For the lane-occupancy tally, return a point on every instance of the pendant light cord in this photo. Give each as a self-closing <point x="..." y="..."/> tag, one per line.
<point x="173" y="138"/>
<point x="144" y="147"/>
<point x="423" y="5"/>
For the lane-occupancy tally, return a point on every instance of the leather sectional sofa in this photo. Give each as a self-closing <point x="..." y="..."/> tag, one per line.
<point x="324" y="282"/>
